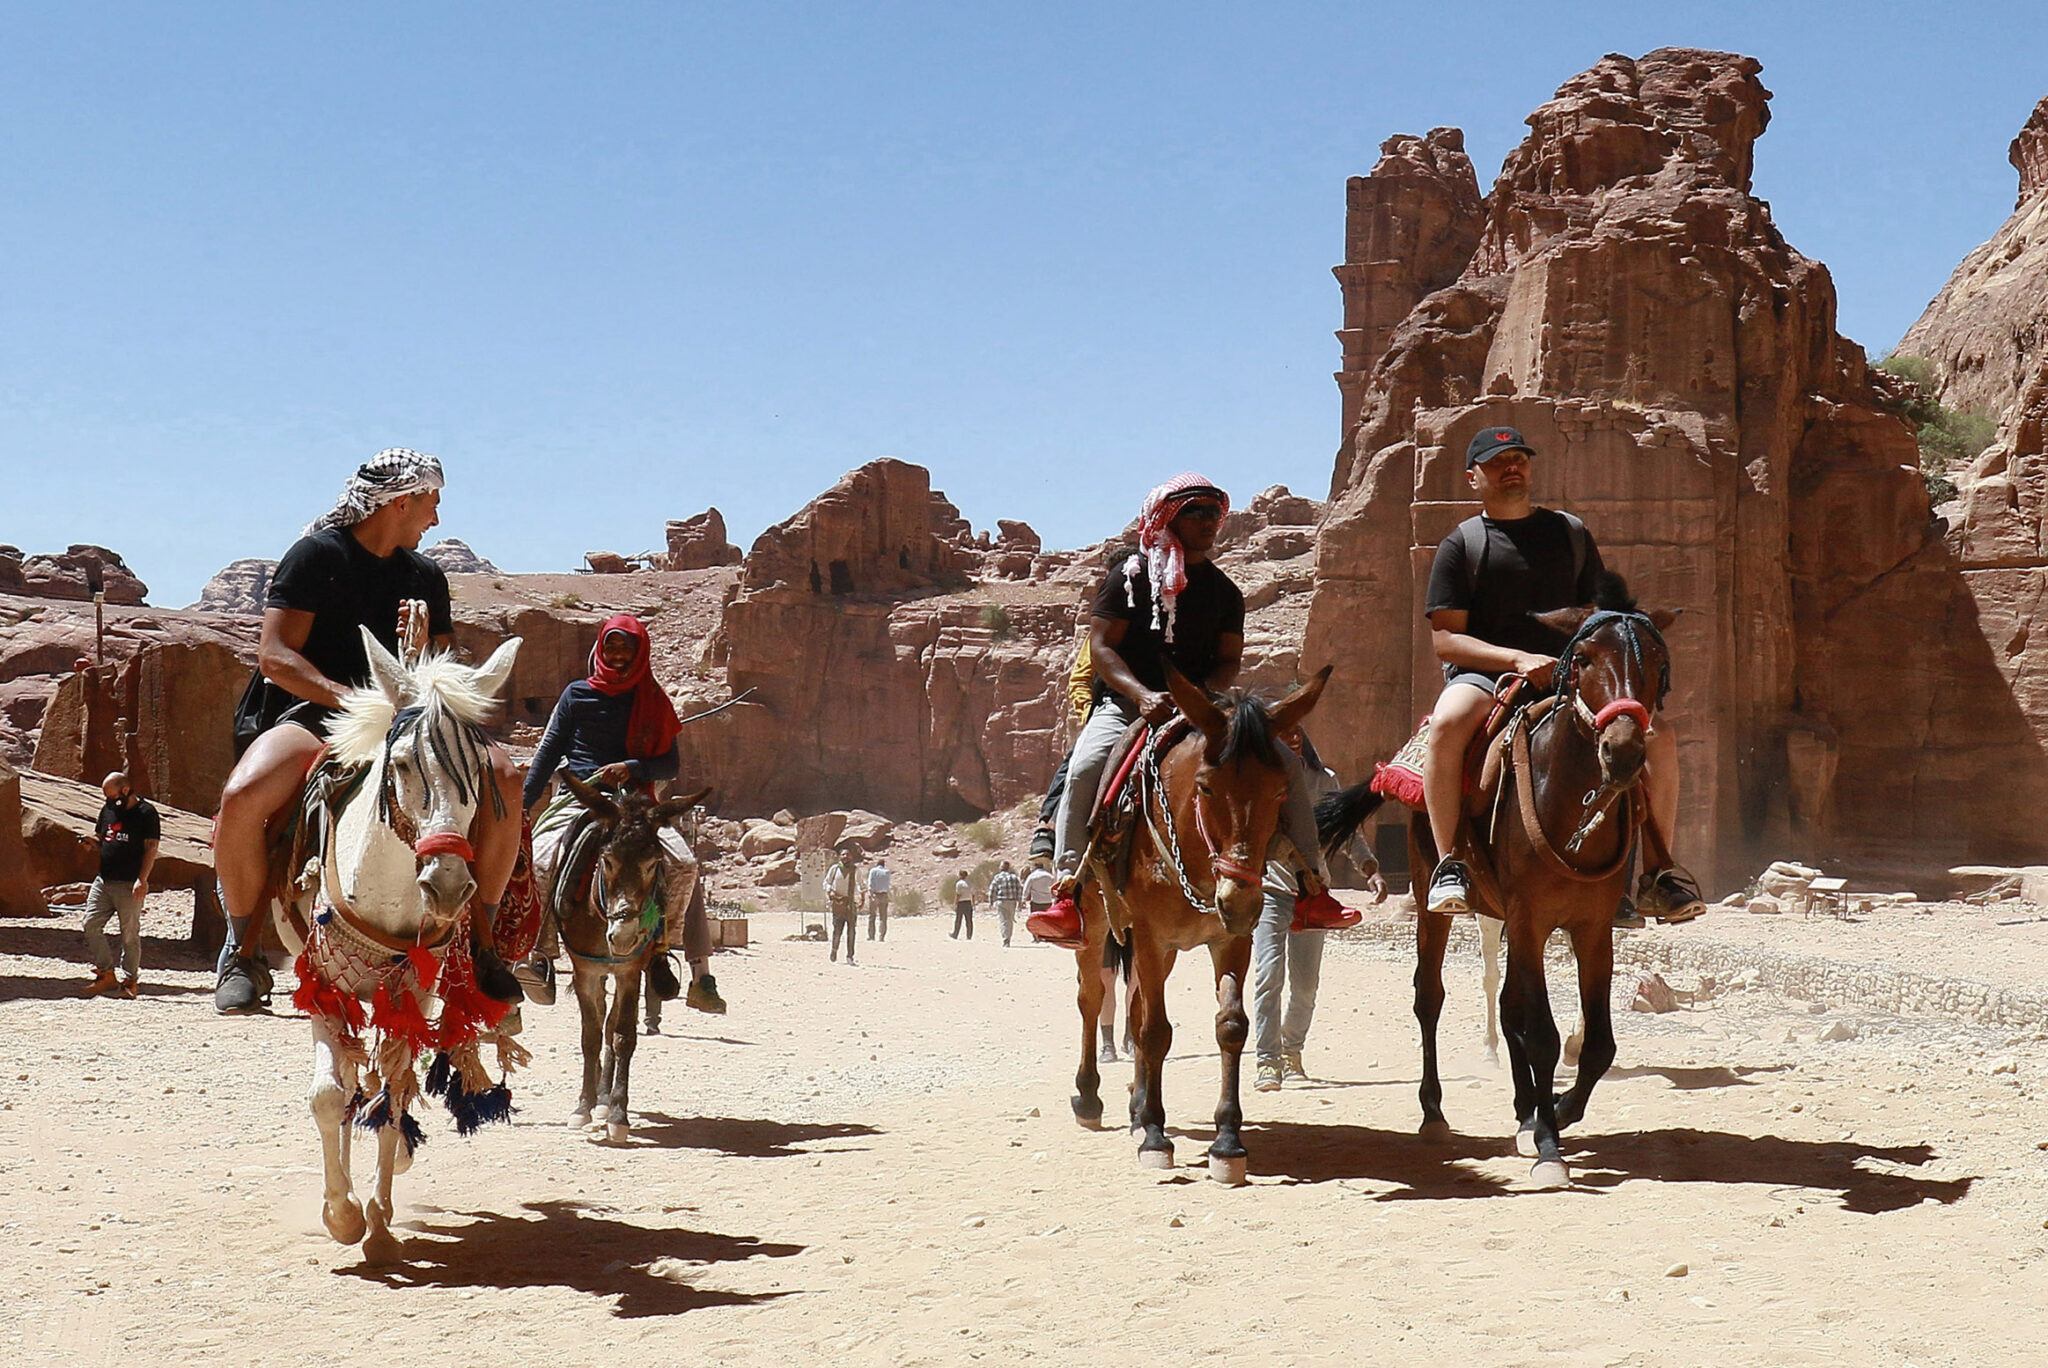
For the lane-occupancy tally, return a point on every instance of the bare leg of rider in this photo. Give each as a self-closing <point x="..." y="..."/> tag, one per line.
<point x="1460" y="712"/>
<point x="270" y="774"/>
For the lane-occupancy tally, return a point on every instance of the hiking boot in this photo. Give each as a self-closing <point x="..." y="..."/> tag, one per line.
<point x="661" y="976"/>
<point x="130" y="987"/>
<point x="1626" y="918"/>
<point x="536" y="975"/>
<point x="1321" y="912"/>
<point x="1669" y="895"/>
<point x="103" y="982"/>
<point x="492" y="977"/>
<point x="1107" y="1054"/>
<point x="1450" y="889"/>
<point x="235" y="992"/>
<point x="1290" y="1062"/>
<point x="1041" y="845"/>
<point x="1269" y="1076"/>
<point x="1060" y="923"/>
<point x="704" y="996"/>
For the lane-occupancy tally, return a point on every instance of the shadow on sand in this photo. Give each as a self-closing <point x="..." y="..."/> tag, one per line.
<point x="741" y="1137"/>
<point x="1306" y="1153"/>
<point x="576" y="1247"/>
<point x="1691" y="1080"/>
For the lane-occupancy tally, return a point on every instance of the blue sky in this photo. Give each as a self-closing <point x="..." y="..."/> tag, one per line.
<point x="618" y="262"/>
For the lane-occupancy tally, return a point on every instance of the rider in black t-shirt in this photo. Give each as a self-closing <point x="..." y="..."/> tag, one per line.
<point x="357" y="566"/>
<point x="1530" y="560"/>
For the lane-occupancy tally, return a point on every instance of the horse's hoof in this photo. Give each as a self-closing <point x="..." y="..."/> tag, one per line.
<point x="1525" y="1142"/>
<point x="616" y="1132"/>
<point x="345" y="1223"/>
<point x="601" y="1111"/>
<point x="1087" y="1110"/>
<point x="1229" y="1172"/>
<point x="382" y="1247"/>
<point x="578" y="1120"/>
<point x="1435" y="1133"/>
<point x="1550" y="1175"/>
<point x="1155" y="1158"/>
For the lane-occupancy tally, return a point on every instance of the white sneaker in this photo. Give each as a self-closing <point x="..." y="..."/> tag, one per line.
<point x="1450" y="890"/>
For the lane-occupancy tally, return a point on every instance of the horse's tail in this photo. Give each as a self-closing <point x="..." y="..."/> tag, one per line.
<point x="1340" y="814"/>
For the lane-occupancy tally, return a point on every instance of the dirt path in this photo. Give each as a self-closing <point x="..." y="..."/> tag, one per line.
<point x="877" y="1165"/>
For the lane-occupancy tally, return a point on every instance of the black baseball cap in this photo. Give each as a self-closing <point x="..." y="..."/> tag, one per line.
<point x="1490" y="442"/>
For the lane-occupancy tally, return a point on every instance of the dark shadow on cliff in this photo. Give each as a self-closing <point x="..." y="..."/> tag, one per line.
<point x="742" y="1137"/>
<point x="576" y="1247"/>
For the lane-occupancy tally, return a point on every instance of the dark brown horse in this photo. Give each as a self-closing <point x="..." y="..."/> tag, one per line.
<point x="1549" y="851"/>
<point x="607" y="898"/>
<point x="1208" y="808"/>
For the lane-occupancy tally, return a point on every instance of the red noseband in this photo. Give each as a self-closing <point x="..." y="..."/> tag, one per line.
<point x="445" y="843"/>
<point x="1621" y="707"/>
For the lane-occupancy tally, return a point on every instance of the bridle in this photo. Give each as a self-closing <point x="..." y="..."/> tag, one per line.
<point x="1597" y="801"/>
<point x="1221" y="866"/>
<point x="466" y="761"/>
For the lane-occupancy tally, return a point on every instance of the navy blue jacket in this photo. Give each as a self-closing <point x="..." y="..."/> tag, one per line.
<point x="586" y="733"/>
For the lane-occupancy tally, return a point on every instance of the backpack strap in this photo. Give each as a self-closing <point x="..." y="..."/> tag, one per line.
<point x="1577" y="529"/>
<point x="1472" y="532"/>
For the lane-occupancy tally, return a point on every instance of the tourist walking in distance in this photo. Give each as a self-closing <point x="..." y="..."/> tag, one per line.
<point x="963" y="906"/>
<point x="841" y="882"/>
<point x="1038" y="886"/>
<point x="1006" y="891"/>
<point x="129" y="832"/>
<point x="878" y="900"/>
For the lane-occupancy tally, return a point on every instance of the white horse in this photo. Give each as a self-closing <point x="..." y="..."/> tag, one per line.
<point x="388" y="919"/>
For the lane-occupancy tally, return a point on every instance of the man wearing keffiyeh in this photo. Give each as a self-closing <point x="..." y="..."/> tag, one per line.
<point x="1165" y="600"/>
<point x="358" y="565"/>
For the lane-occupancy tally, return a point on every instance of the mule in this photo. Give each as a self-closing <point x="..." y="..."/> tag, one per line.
<point x="1571" y="778"/>
<point x="608" y="885"/>
<point x="387" y="921"/>
<point x="1208" y="808"/>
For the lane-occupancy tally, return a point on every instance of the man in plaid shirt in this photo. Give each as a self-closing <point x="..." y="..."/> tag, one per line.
<point x="1006" y="891"/>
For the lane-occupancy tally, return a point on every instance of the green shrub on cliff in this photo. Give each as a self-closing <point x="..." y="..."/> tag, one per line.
<point x="1947" y="435"/>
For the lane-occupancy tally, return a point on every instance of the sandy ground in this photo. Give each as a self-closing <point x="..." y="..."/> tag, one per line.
<point x="877" y="1165"/>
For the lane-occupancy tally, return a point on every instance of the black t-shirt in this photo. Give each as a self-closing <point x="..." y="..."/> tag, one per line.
<point x="122" y="830"/>
<point x="1209" y="608"/>
<point x="1527" y="568"/>
<point x="335" y="578"/>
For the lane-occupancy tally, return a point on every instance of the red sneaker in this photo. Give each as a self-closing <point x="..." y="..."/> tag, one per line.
<point x="1060" y="924"/>
<point x="1321" y="912"/>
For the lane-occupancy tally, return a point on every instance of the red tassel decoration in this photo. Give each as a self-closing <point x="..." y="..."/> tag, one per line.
<point x="316" y="997"/>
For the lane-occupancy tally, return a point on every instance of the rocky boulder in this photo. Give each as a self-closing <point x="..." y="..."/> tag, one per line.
<point x="81" y="571"/>
<point x="237" y="587"/>
<point x="11" y="580"/>
<point x="21" y="890"/>
<point x="880" y="531"/>
<point x="699" y="543"/>
<point x="454" y="556"/>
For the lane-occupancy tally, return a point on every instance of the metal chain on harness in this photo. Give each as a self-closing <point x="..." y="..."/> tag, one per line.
<point x="1169" y="848"/>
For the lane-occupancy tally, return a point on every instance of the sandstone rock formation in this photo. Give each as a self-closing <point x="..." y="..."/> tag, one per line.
<point x="698" y="543"/>
<point x="79" y="572"/>
<point x="237" y="587"/>
<point x="21" y="892"/>
<point x="1630" y="306"/>
<point x="1987" y="331"/>
<point x="453" y="555"/>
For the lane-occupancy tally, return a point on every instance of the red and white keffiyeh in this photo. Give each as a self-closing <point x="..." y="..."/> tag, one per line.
<point x="1159" y="552"/>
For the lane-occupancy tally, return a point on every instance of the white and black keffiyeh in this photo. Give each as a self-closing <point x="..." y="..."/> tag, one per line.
<point x="391" y="474"/>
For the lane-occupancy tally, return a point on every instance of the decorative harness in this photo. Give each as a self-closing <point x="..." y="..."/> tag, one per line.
<point x="1597" y="802"/>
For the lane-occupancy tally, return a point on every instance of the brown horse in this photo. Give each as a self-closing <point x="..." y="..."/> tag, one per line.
<point x="1208" y="808"/>
<point x="609" y="918"/>
<point x="1554" y="856"/>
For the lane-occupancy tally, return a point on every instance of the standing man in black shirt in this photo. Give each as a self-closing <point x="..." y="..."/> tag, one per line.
<point x="1491" y="574"/>
<point x="357" y="566"/>
<point x="128" y="831"/>
<point x="1166" y="600"/>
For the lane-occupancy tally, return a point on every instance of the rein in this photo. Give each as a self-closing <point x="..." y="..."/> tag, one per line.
<point x="467" y="762"/>
<point x="1168" y="844"/>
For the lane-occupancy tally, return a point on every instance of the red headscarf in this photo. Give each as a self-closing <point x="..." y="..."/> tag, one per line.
<point x="653" y="727"/>
<point x="1159" y="552"/>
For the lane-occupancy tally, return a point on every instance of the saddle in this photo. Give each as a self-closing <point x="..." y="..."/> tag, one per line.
<point x="1485" y="756"/>
<point x="1113" y="819"/>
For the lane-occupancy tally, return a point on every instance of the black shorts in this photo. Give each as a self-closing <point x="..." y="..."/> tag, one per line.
<point x="314" y="717"/>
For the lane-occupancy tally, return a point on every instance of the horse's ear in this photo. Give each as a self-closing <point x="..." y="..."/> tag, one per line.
<point x="1662" y="618"/>
<point x="1566" y="620"/>
<point x="494" y="674"/>
<point x="1196" y="707"/>
<point x="385" y="672"/>
<point x="1289" y="711"/>
<point x="604" y="808"/>
<point x="671" y="808"/>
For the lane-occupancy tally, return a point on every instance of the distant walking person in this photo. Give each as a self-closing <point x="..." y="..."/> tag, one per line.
<point x="840" y="882"/>
<point x="128" y="831"/>
<point x="878" y="899"/>
<point x="1038" y="886"/>
<point x="963" y="906"/>
<point x="1006" y="891"/>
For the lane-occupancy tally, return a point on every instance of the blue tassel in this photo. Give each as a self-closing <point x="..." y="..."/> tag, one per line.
<point x="474" y="1109"/>
<point x="410" y="1134"/>
<point x="378" y="1117"/>
<point x="438" y="1075"/>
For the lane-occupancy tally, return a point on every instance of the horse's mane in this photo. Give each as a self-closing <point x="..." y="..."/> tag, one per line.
<point x="443" y="685"/>
<point x="1611" y="595"/>
<point x="1251" y="730"/>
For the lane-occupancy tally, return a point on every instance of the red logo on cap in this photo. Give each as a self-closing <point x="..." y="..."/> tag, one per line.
<point x="1503" y="436"/>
